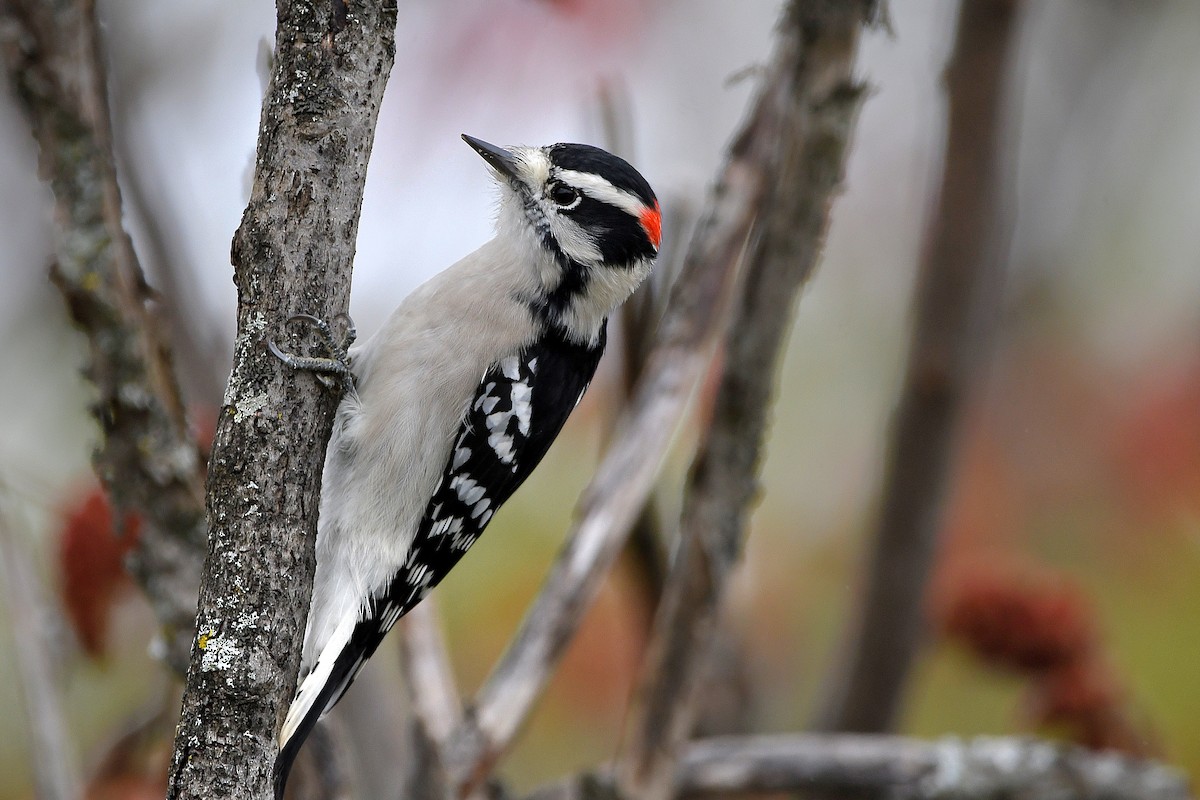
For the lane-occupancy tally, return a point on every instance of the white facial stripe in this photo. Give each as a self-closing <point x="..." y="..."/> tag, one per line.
<point x="575" y="241"/>
<point x="599" y="189"/>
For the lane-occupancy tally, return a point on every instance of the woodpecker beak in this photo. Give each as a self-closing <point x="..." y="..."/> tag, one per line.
<point x="500" y="159"/>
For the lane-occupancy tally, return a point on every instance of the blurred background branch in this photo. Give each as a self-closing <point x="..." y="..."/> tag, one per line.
<point x="958" y="295"/>
<point x="893" y="767"/>
<point x="147" y="458"/>
<point x="55" y="763"/>
<point x="202" y="357"/>
<point x="435" y="705"/>
<point x="644" y="553"/>
<point x="807" y="108"/>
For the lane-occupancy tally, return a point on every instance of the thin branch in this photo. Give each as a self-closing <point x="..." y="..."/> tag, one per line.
<point x="435" y="708"/>
<point x="909" y="769"/>
<point x="896" y="768"/>
<point x="815" y="103"/>
<point x="147" y="459"/>
<point x="292" y="253"/>
<point x="428" y="673"/>
<point x="324" y="772"/>
<point x="957" y="296"/>
<point x="199" y="344"/>
<point x="54" y="762"/>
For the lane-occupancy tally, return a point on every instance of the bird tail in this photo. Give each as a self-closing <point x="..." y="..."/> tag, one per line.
<point x="320" y="690"/>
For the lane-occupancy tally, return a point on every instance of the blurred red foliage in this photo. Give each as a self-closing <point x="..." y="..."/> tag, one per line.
<point x="1086" y="700"/>
<point x="91" y="566"/>
<point x="1027" y="620"/>
<point x="504" y="46"/>
<point x="1013" y="620"/>
<point x="91" y="552"/>
<point x="127" y="787"/>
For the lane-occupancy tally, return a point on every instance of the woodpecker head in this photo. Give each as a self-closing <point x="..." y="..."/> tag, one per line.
<point x="590" y="221"/>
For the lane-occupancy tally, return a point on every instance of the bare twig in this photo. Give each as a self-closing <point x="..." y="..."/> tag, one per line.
<point x="201" y="349"/>
<point x="625" y="477"/>
<point x="958" y="293"/>
<point x="896" y="768"/>
<point x="54" y="762"/>
<point x="292" y="253"/>
<point x="323" y="772"/>
<point x="435" y="705"/>
<point x="814" y="102"/>
<point x="428" y="672"/>
<point x="147" y="459"/>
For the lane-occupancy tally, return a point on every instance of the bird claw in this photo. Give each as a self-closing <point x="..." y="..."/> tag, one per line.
<point x="325" y="330"/>
<point x="331" y="370"/>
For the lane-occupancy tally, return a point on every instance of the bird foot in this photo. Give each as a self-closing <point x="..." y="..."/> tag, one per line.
<point x="332" y="369"/>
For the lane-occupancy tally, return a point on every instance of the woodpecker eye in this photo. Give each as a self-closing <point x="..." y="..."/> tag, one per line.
<point x="564" y="196"/>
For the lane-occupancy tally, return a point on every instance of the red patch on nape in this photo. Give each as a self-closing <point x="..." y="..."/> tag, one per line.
<point x="652" y="222"/>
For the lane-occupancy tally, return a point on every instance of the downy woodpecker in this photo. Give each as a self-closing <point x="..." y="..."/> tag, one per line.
<point x="452" y="404"/>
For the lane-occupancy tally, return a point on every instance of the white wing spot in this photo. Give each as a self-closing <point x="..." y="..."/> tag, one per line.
<point x="483" y="398"/>
<point x="522" y="407"/>
<point x="503" y="445"/>
<point x="467" y="489"/>
<point x="511" y="367"/>
<point x="460" y="457"/>
<point x="480" y="507"/>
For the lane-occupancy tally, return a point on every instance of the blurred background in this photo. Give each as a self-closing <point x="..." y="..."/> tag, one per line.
<point x="1072" y="522"/>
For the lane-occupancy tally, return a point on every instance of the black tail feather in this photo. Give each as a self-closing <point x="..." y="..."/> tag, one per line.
<point x="362" y="645"/>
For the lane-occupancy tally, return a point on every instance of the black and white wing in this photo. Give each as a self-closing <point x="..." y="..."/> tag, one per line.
<point x="517" y="412"/>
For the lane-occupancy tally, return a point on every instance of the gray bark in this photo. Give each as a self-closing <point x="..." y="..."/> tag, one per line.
<point x="292" y="254"/>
